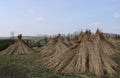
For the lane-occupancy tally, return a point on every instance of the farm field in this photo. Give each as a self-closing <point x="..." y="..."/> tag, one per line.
<point x="28" y="66"/>
<point x="60" y="39"/>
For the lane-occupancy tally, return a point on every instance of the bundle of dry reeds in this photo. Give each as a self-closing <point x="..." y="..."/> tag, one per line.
<point x="18" y="48"/>
<point x="101" y="42"/>
<point x="67" y="41"/>
<point x="54" y="46"/>
<point x="87" y="55"/>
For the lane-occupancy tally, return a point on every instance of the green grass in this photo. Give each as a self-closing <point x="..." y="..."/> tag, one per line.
<point x="28" y="66"/>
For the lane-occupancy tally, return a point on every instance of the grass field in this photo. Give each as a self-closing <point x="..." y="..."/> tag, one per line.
<point x="28" y="66"/>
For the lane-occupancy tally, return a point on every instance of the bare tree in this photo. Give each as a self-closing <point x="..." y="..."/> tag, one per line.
<point x="12" y="33"/>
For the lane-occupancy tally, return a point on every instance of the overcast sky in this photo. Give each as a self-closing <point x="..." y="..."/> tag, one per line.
<point x="36" y="17"/>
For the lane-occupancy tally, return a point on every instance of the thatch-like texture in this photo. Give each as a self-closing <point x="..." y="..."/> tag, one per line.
<point x="68" y="42"/>
<point x="105" y="45"/>
<point x="83" y="57"/>
<point x="112" y="40"/>
<point x="54" y="46"/>
<point x="81" y="35"/>
<point x="18" y="48"/>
